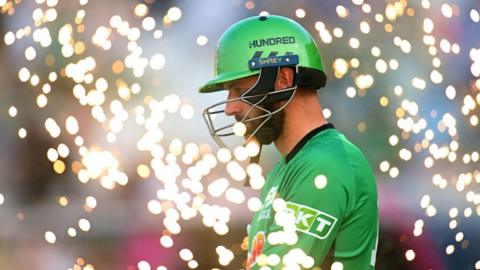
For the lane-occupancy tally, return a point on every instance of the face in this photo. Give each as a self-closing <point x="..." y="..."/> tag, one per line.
<point x="242" y="110"/>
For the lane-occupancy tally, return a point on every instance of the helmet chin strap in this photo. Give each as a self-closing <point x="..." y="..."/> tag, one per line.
<point x="265" y="84"/>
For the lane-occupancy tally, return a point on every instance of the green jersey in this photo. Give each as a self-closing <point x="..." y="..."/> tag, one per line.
<point x="327" y="187"/>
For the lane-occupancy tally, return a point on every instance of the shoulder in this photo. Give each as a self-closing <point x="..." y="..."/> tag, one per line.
<point x="334" y="157"/>
<point x="328" y="153"/>
<point x="333" y="152"/>
<point x="319" y="163"/>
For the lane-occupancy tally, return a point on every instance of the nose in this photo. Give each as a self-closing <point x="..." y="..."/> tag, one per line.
<point x="232" y="108"/>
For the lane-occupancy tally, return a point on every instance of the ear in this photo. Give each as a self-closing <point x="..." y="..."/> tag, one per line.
<point x="284" y="78"/>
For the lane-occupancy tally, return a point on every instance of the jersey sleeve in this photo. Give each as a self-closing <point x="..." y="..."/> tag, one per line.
<point x="317" y="196"/>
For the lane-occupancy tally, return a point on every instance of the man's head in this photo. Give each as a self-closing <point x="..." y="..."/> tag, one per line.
<point x="262" y="61"/>
<point x="249" y="114"/>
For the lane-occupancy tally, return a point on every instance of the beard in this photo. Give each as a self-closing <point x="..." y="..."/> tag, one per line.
<point x="252" y="124"/>
<point x="270" y="129"/>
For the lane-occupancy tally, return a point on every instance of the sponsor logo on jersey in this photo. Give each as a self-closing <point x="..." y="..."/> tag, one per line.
<point x="257" y="245"/>
<point x="271" y="195"/>
<point x="311" y="221"/>
<point x="267" y="203"/>
<point x="270" y="41"/>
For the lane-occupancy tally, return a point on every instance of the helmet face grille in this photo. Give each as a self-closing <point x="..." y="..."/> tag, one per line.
<point x="260" y="97"/>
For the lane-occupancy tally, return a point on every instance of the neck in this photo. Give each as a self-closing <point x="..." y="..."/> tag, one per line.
<point x="302" y="115"/>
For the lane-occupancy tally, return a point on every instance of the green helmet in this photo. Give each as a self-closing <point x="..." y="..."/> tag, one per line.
<point x="264" y="37"/>
<point x="262" y="45"/>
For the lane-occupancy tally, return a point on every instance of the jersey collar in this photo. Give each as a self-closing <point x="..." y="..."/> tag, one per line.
<point x="305" y="139"/>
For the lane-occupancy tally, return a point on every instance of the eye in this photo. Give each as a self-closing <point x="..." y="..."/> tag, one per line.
<point x="237" y="91"/>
